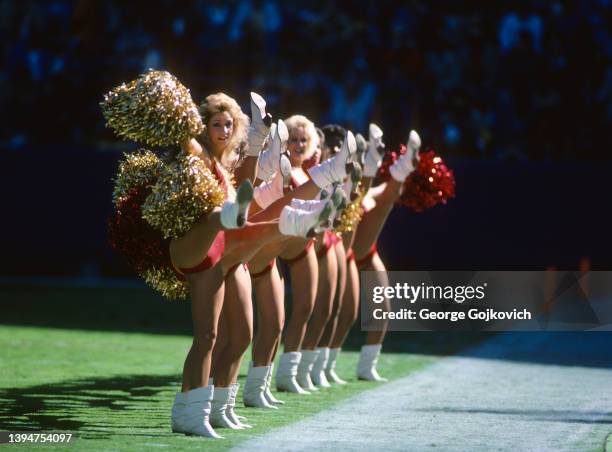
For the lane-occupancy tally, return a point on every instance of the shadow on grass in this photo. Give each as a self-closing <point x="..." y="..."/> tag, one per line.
<point x="133" y="309"/>
<point x="92" y="408"/>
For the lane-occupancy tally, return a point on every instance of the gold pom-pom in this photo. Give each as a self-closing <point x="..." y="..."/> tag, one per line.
<point x="165" y="281"/>
<point x="351" y="215"/>
<point x="185" y="191"/>
<point x="155" y="109"/>
<point x="138" y="168"/>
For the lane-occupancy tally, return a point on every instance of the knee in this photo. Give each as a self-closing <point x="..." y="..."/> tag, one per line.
<point x="302" y="312"/>
<point x="323" y="314"/>
<point x="347" y="318"/>
<point x="241" y="339"/>
<point x="205" y="340"/>
<point x="275" y="329"/>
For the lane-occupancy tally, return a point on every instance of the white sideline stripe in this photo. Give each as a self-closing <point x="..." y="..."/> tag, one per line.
<point x="464" y="404"/>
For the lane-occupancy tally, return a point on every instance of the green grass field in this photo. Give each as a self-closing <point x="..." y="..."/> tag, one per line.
<point x="104" y="362"/>
<point x="114" y="390"/>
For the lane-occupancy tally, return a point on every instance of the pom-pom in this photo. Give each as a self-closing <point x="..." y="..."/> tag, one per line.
<point x="155" y="109"/>
<point x="351" y="215"/>
<point x="144" y="249"/>
<point x="185" y="191"/>
<point x="136" y="169"/>
<point x="431" y="183"/>
<point x="140" y="244"/>
<point x="164" y="280"/>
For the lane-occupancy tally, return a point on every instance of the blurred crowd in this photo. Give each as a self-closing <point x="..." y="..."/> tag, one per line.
<point x="495" y="80"/>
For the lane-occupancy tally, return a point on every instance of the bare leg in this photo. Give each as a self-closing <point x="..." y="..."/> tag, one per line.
<point x="326" y="289"/>
<point x="350" y="305"/>
<point x="373" y="221"/>
<point x="238" y="326"/>
<point x="330" y="329"/>
<point x="269" y="292"/>
<point x="304" y="276"/>
<point x="207" y="289"/>
<point x="307" y="190"/>
<point x="378" y="335"/>
<point x="189" y="250"/>
<point x="241" y="245"/>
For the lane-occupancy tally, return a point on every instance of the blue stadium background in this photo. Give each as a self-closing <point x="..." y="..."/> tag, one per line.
<point x="515" y="95"/>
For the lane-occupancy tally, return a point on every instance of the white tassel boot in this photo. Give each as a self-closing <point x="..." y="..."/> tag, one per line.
<point x="267" y="164"/>
<point x="366" y="368"/>
<point x="337" y="197"/>
<point x="254" y="387"/>
<point x="231" y="405"/>
<point x="318" y="370"/>
<point x="405" y="165"/>
<point x="234" y="214"/>
<point x="330" y="370"/>
<point x="333" y="170"/>
<point x="195" y="416"/>
<point x="297" y="222"/>
<point x="268" y="393"/>
<point x="218" y="408"/>
<point x="260" y="125"/>
<point x="374" y="154"/>
<point x="287" y="371"/>
<point x="177" y="412"/>
<point x="268" y="192"/>
<point x="305" y="368"/>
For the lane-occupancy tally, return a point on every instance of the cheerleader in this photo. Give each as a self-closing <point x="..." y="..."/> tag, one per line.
<point x="362" y="253"/>
<point x="266" y="280"/>
<point x="178" y="212"/>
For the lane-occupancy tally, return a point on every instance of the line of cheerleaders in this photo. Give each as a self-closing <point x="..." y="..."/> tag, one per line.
<point x="205" y="211"/>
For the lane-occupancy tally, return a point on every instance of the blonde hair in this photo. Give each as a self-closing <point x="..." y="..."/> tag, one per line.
<point x="219" y="103"/>
<point x="297" y="121"/>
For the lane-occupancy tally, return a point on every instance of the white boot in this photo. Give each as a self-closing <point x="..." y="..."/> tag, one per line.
<point x="351" y="185"/>
<point x="267" y="164"/>
<point x="234" y="214"/>
<point x="337" y="197"/>
<point x="362" y="147"/>
<point x="305" y="368"/>
<point x="318" y="370"/>
<point x="177" y="412"/>
<point x="254" y="387"/>
<point x="268" y="192"/>
<point x="330" y="370"/>
<point x="258" y="130"/>
<point x="366" y="368"/>
<point x="268" y="393"/>
<point x="405" y="165"/>
<point x="297" y="222"/>
<point x="231" y="404"/>
<point x="195" y="416"/>
<point x="286" y="372"/>
<point x="333" y="170"/>
<point x="374" y="153"/>
<point x="218" y="407"/>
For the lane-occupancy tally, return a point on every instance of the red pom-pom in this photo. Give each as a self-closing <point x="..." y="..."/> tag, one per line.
<point x="141" y="245"/>
<point x="430" y="184"/>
